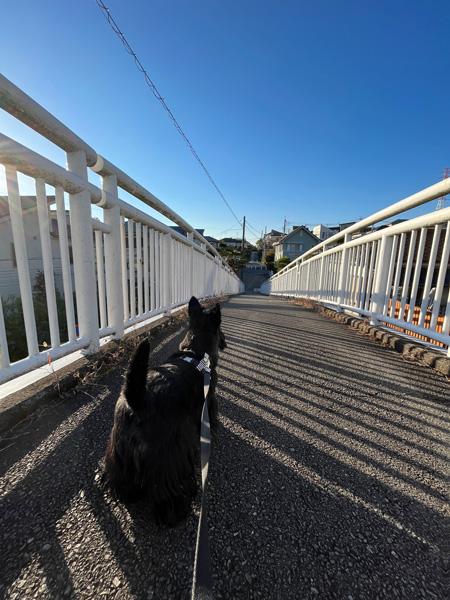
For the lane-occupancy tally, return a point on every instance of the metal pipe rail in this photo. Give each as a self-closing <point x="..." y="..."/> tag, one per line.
<point x="117" y="273"/>
<point x="398" y="276"/>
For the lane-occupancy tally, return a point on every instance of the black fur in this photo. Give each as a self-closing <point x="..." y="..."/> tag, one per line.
<point x="153" y="448"/>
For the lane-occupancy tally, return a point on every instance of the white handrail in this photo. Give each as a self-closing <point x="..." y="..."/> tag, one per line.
<point x="25" y="109"/>
<point x="438" y="190"/>
<point x="126" y="268"/>
<point x="378" y="274"/>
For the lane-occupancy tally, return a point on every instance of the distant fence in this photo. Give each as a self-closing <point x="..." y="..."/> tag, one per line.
<point x="397" y="276"/>
<point x="117" y="272"/>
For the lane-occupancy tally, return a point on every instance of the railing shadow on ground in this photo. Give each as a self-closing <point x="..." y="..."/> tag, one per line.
<point x="345" y="372"/>
<point x="315" y="488"/>
<point x="386" y="487"/>
<point x="322" y="392"/>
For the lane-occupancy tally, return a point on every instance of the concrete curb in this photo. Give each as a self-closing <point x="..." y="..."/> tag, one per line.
<point x="432" y="358"/>
<point x="53" y="389"/>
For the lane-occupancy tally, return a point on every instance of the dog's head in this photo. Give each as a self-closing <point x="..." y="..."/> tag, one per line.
<point x="205" y="334"/>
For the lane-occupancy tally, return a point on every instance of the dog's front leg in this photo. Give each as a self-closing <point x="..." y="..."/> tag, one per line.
<point x="213" y="408"/>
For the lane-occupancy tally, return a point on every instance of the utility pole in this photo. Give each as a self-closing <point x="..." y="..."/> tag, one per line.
<point x="243" y="234"/>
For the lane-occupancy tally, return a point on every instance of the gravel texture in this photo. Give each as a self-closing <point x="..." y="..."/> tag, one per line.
<point x="328" y="477"/>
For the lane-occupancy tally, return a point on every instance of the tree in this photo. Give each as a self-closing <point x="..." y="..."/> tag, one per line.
<point x="235" y="257"/>
<point x="270" y="256"/>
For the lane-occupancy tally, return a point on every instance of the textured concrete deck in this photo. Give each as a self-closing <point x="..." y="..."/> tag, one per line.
<point x="328" y="477"/>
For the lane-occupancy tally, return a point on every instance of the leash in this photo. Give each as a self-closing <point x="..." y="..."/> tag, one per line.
<point x="202" y="586"/>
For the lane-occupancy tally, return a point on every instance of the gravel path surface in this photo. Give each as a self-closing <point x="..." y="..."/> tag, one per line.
<point x="328" y="477"/>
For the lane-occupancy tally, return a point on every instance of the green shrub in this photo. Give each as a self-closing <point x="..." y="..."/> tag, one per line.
<point x="270" y="257"/>
<point x="15" y="324"/>
<point x="281" y="263"/>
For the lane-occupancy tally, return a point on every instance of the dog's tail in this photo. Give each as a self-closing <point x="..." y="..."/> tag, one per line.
<point x="136" y="377"/>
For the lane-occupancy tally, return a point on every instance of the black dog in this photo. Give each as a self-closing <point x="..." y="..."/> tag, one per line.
<point x="153" y="447"/>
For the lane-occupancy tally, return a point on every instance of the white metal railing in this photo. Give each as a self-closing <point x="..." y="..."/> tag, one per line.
<point x="397" y="276"/>
<point x="117" y="272"/>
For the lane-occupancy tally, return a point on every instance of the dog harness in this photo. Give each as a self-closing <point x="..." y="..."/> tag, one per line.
<point x="204" y="367"/>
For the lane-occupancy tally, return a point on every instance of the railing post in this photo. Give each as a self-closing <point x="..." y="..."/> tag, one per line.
<point x="379" y="290"/>
<point x="83" y="254"/>
<point x="4" y="353"/>
<point x="20" y="248"/>
<point x="65" y="263"/>
<point x="321" y="278"/>
<point x="204" y="270"/>
<point x="123" y="250"/>
<point x="298" y="268"/>
<point x="167" y="275"/>
<point x="216" y="284"/>
<point x="190" y="237"/>
<point x="343" y="273"/>
<point x="113" y="260"/>
<point x="443" y="270"/>
<point x="44" y="231"/>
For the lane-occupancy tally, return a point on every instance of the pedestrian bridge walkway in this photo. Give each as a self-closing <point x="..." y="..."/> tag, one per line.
<point x="328" y="476"/>
<point x="328" y="471"/>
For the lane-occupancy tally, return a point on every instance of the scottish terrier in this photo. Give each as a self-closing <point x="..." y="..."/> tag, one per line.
<point x="154" y="444"/>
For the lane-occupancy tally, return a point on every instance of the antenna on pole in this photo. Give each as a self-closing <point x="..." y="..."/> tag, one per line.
<point x="441" y="201"/>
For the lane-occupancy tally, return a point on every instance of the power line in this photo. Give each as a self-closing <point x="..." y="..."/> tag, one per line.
<point x="253" y="229"/>
<point x="151" y="85"/>
<point x="229" y="228"/>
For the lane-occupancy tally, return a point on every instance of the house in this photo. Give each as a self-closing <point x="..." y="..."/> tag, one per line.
<point x="214" y="243"/>
<point x="235" y="243"/>
<point x="183" y="232"/>
<point x="343" y="226"/>
<point x="9" y="280"/>
<point x="390" y="224"/>
<point x="271" y="237"/>
<point x="295" y="243"/>
<point x="322" y="232"/>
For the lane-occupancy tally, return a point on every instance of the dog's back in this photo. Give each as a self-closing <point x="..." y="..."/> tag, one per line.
<point x="156" y="422"/>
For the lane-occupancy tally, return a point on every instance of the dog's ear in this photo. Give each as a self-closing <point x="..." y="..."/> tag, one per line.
<point x="194" y="305"/>
<point x="195" y="310"/>
<point x="136" y="377"/>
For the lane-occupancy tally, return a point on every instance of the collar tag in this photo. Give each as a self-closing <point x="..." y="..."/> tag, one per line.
<point x="203" y="365"/>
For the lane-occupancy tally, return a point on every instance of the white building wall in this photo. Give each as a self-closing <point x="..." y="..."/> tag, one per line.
<point x="322" y="232"/>
<point x="9" y="281"/>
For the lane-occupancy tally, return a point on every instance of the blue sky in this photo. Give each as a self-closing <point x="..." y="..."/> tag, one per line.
<point x="313" y="112"/>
